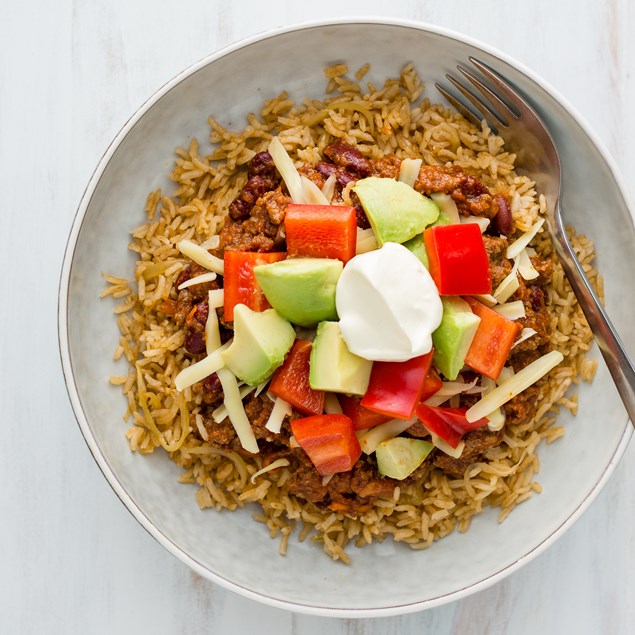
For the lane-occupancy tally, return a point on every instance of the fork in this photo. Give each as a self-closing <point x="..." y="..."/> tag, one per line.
<point x="485" y="94"/>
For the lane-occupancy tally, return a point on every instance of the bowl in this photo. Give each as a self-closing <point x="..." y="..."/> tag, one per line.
<point x="230" y="548"/>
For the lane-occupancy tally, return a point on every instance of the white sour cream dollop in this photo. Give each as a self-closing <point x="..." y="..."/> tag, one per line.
<point x="388" y="305"/>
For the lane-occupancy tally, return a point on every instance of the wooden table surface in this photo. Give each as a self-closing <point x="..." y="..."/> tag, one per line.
<point x="72" y="559"/>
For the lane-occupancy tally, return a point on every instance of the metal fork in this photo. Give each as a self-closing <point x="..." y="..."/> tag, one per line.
<point x="485" y="94"/>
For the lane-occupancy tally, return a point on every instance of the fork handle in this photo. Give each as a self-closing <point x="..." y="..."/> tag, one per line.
<point x="611" y="346"/>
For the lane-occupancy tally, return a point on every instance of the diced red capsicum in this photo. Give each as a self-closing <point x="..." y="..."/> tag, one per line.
<point x="458" y="262"/>
<point x="329" y="441"/>
<point x="449" y="424"/>
<point x="492" y="342"/>
<point x="239" y="280"/>
<point x="321" y="231"/>
<point x="395" y="387"/>
<point x="432" y="384"/>
<point x="291" y="381"/>
<point x="362" y="418"/>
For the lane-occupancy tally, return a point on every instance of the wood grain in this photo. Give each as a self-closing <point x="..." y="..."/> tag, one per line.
<point x="72" y="559"/>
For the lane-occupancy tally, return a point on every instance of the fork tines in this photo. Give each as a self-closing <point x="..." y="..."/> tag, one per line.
<point x="485" y="104"/>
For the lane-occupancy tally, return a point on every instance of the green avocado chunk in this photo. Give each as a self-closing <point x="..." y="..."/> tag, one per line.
<point x="333" y="367"/>
<point x="261" y="342"/>
<point x="454" y="335"/>
<point x="399" y="457"/>
<point x="301" y="289"/>
<point x="417" y="246"/>
<point x="396" y="211"/>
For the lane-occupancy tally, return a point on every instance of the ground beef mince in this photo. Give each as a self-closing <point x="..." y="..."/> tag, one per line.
<point x="256" y="223"/>
<point x="536" y="317"/>
<point x="522" y="406"/>
<point x="500" y="266"/>
<point x="476" y="443"/>
<point x="258" y="232"/>
<point x="472" y="197"/>
<point x="210" y="389"/>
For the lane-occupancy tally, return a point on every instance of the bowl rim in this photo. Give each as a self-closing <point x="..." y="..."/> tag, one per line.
<point x="76" y="401"/>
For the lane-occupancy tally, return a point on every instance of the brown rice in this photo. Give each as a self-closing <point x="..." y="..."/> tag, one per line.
<point x="392" y="119"/>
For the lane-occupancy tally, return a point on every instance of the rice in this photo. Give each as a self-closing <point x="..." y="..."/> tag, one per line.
<point x="392" y="119"/>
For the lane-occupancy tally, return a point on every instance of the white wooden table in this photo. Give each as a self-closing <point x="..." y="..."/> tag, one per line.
<point x="72" y="559"/>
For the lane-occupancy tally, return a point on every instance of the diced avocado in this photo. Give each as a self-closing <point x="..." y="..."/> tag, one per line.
<point x="261" y="342"/>
<point x="417" y="246"/>
<point x="301" y="289"/>
<point x="396" y="211"/>
<point x="441" y="220"/>
<point x="453" y="337"/>
<point x="399" y="457"/>
<point x="333" y="367"/>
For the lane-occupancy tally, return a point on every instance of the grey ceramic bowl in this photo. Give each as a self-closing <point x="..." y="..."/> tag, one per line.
<point x="230" y="548"/>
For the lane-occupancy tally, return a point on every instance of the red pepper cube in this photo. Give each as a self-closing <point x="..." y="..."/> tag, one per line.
<point x="291" y="381"/>
<point x="432" y="384"/>
<point x="395" y="388"/>
<point x="449" y="424"/>
<point x="492" y="341"/>
<point x="329" y="441"/>
<point x="321" y="231"/>
<point x="239" y="280"/>
<point x="362" y="418"/>
<point x="458" y="262"/>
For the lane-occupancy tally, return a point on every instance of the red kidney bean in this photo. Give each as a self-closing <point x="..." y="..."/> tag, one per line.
<point x="261" y="164"/>
<point x="194" y="342"/>
<point x="349" y="158"/>
<point x="503" y="221"/>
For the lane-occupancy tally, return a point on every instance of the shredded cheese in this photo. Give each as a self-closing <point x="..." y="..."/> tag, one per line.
<point x="326" y="479"/>
<point x="261" y="387"/>
<point x="201" y="428"/>
<point x="383" y="432"/>
<point x="212" y="329"/>
<point x="447" y="205"/>
<point x="511" y="310"/>
<point x="221" y="413"/>
<point x="487" y="299"/>
<point x="280" y="410"/>
<point x="525" y="267"/>
<point x="287" y="169"/>
<point x="332" y="405"/>
<point x="496" y="419"/>
<point x="205" y="277"/>
<point x="449" y="389"/>
<point x="236" y="411"/>
<point x="409" y="171"/>
<point x="525" y="334"/>
<point x="520" y="243"/>
<point x="481" y="221"/>
<point x="311" y="193"/>
<point x="272" y="466"/>
<point x="293" y="443"/>
<point x="509" y="389"/>
<point x="328" y="189"/>
<point x="507" y="372"/>
<point x="366" y="241"/>
<point x="508" y="286"/>
<point x="216" y="298"/>
<point x="212" y="242"/>
<point x="455" y="453"/>
<point x="200" y="256"/>
<point x="204" y="368"/>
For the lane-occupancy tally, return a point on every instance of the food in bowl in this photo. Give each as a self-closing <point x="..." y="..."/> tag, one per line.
<point x="330" y="309"/>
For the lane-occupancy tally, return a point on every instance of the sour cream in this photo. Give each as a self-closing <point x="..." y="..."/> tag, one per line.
<point x="388" y="305"/>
